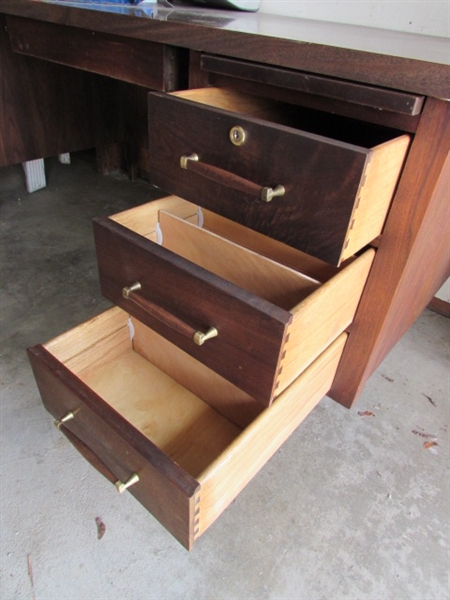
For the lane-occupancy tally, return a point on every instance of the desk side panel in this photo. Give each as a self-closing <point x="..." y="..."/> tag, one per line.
<point x="413" y="259"/>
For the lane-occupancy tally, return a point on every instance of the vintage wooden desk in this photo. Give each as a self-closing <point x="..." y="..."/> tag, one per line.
<point x="306" y="145"/>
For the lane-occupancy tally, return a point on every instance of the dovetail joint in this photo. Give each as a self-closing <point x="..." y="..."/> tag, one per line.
<point x="196" y="523"/>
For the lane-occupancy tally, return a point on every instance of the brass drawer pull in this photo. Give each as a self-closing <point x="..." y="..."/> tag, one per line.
<point x="122" y="486"/>
<point x="200" y="338"/>
<point x="222" y="177"/>
<point x="185" y="159"/>
<point x="167" y="318"/>
<point x="68" y="417"/>
<point x="136" y="287"/>
<point x="268" y="193"/>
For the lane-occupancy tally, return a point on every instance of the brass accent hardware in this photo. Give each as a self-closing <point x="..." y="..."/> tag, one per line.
<point x="128" y="483"/>
<point x="237" y="135"/>
<point x="132" y="288"/>
<point x="268" y="193"/>
<point x="166" y="318"/>
<point x="184" y="160"/>
<point x="200" y="338"/>
<point x="68" y="417"/>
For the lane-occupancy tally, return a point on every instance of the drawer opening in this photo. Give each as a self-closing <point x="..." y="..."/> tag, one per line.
<point x="118" y="369"/>
<point x="328" y="125"/>
<point x="309" y="311"/>
<point x="144" y="220"/>
<point x="262" y="276"/>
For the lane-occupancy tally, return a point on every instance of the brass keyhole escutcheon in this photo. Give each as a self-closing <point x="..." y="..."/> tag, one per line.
<point x="237" y="135"/>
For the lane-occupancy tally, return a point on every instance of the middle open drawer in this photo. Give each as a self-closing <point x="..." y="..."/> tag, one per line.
<point x="251" y="309"/>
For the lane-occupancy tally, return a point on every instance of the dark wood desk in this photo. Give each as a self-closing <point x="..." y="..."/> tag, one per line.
<point x="112" y="57"/>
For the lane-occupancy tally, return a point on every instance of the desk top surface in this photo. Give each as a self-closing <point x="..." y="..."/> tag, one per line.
<point x="405" y="61"/>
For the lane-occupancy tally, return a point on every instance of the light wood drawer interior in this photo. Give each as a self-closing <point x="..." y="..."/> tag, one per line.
<point x="338" y="175"/>
<point x="310" y="302"/>
<point x="154" y="419"/>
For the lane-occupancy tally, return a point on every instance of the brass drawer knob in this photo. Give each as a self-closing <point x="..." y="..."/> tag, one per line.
<point x="122" y="486"/>
<point x="132" y="288"/>
<point x="68" y="417"/>
<point x="200" y="338"/>
<point x="268" y="193"/>
<point x="185" y="159"/>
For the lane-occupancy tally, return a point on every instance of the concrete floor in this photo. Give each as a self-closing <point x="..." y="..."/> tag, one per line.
<point x="351" y="506"/>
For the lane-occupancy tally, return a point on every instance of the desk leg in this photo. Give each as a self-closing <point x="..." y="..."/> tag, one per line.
<point x="109" y="157"/>
<point x="34" y="175"/>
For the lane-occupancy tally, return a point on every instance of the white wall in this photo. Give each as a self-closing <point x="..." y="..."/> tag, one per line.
<point x="427" y="17"/>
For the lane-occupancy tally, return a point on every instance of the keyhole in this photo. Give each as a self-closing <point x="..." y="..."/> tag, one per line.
<point x="237" y="135"/>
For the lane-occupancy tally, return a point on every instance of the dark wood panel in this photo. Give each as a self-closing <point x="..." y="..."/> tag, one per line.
<point x="133" y="102"/>
<point x="144" y="63"/>
<point x="402" y="61"/>
<point x="164" y="488"/>
<point x="251" y="330"/>
<point x="308" y="83"/>
<point x="413" y="257"/>
<point x="200" y="78"/>
<point x="47" y="109"/>
<point x="440" y="306"/>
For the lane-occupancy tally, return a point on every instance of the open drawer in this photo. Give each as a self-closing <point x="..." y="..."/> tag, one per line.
<point x="318" y="182"/>
<point x="257" y="320"/>
<point x="147" y="424"/>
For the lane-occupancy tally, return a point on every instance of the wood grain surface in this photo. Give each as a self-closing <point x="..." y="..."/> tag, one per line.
<point x="48" y="109"/>
<point x="403" y="61"/>
<point x="147" y="64"/>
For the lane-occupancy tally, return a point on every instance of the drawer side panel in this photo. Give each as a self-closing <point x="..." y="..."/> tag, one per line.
<point x="374" y="197"/>
<point x="231" y="472"/>
<point x="322" y="317"/>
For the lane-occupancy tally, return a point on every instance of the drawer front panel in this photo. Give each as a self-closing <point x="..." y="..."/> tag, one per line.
<point x="321" y="177"/>
<point x="144" y="63"/>
<point x="178" y="298"/>
<point x="115" y="448"/>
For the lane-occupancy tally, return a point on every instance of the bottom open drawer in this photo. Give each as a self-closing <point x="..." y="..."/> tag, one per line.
<point x="141" y="411"/>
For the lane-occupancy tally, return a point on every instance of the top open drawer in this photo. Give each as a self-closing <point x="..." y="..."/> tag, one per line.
<point x="320" y="183"/>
